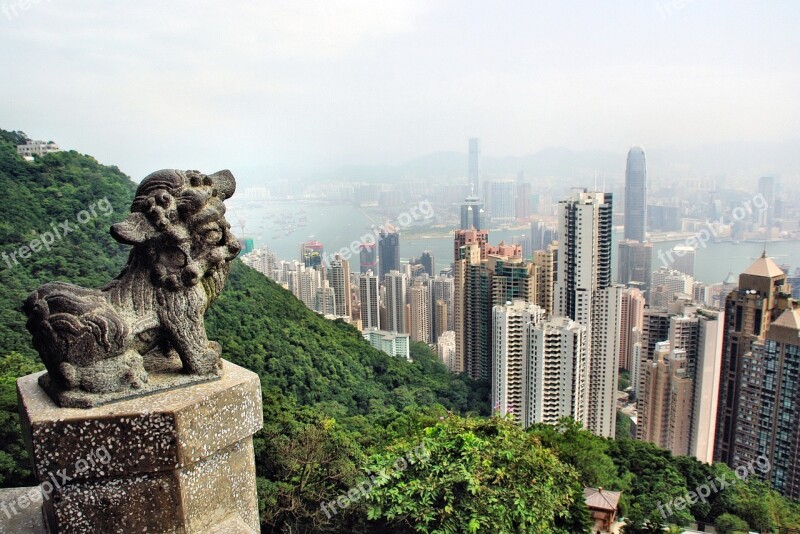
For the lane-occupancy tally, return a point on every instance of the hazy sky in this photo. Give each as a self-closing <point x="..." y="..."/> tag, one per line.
<point x="304" y="85"/>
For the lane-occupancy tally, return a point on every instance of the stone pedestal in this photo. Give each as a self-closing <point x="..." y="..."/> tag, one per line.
<point x="179" y="461"/>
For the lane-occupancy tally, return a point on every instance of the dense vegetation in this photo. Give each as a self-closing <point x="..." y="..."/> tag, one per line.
<point x="353" y="440"/>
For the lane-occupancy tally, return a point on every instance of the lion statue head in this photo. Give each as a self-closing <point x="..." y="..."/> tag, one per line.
<point x="177" y="226"/>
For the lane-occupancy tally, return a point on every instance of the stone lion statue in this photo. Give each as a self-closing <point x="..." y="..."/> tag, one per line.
<point x="149" y="319"/>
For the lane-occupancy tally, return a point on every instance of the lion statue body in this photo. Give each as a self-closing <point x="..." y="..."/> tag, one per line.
<point x="150" y="317"/>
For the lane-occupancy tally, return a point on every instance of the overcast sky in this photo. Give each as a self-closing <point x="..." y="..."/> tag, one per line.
<point x="303" y="85"/>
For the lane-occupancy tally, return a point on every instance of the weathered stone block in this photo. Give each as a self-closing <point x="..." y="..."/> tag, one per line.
<point x="177" y="461"/>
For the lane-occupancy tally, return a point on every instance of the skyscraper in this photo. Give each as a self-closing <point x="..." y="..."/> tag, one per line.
<point x="667" y="284"/>
<point x="584" y="253"/>
<point x="428" y="263"/>
<point x="339" y="277"/>
<point x="770" y="396"/>
<point x="503" y="201"/>
<point x="472" y="309"/>
<point x="522" y="210"/>
<point x="706" y="384"/>
<point x="635" y="265"/>
<point x="683" y="259"/>
<point x="546" y="263"/>
<point x="766" y="188"/>
<point x="466" y="237"/>
<point x="583" y="294"/>
<point x="510" y="356"/>
<point x="632" y="317"/>
<point x="388" y="253"/>
<point x="368" y="258"/>
<point x="369" y="292"/>
<point x="443" y="291"/>
<point x="472" y="213"/>
<point x="749" y="311"/>
<point x="396" y="287"/>
<point x="420" y="304"/>
<point x="325" y="299"/>
<point x="557" y="371"/>
<point x="604" y="348"/>
<point x="474" y="165"/>
<point x="665" y="419"/>
<point x="311" y="253"/>
<point x="636" y="195"/>
<point x="512" y="278"/>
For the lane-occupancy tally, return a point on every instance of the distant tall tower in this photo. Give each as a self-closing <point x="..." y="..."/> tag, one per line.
<point x="766" y="188"/>
<point x="369" y="291"/>
<point x="503" y="201"/>
<point x="388" y="253"/>
<point x="339" y="276"/>
<point x="369" y="258"/>
<point x="472" y="213"/>
<point x="428" y="263"/>
<point x="635" y="195"/>
<point x="474" y="165"/>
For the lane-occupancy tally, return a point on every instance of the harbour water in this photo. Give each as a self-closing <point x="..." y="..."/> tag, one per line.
<point x="283" y="225"/>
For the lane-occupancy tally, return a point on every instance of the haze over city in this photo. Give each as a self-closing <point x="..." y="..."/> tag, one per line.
<point x="306" y="88"/>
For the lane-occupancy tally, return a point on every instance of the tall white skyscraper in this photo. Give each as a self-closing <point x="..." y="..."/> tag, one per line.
<point x="605" y="345"/>
<point x="339" y="277"/>
<point x="369" y="293"/>
<point x="583" y="294"/>
<point x="584" y="253"/>
<point x="706" y="384"/>
<point x="396" y="287"/>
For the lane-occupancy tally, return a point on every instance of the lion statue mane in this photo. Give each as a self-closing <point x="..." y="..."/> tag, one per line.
<point x="149" y="319"/>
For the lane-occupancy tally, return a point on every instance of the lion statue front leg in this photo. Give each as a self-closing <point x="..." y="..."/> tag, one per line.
<point x="183" y="323"/>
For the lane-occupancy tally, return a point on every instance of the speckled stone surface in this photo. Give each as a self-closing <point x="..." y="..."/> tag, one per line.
<point x="21" y="511"/>
<point x="176" y="461"/>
